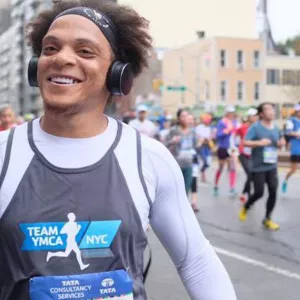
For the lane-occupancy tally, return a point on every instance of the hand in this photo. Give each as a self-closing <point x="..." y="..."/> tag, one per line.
<point x="281" y="143"/>
<point x="265" y="142"/>
<point x="175" y="139"/>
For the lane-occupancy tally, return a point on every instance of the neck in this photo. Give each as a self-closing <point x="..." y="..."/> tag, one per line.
<point x="82" y="125"/>
<point x="267" y="123"/>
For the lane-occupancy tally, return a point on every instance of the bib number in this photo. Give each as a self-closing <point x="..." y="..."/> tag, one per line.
<point x="113" y="285"/>
<point x="270" y="155"/>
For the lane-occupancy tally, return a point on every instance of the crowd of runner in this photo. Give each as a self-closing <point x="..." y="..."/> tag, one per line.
<point x="253" y="141"/>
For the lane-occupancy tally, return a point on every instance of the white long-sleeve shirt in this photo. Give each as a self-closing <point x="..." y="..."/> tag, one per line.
<point x="172" y="218"/>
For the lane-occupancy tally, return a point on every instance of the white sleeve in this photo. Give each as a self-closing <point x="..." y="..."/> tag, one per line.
<point x="176" y="226"/>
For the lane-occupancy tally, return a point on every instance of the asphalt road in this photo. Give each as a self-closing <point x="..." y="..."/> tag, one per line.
<point x="262" y="264"/>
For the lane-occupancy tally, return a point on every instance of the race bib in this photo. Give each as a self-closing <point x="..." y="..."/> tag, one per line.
<point x="247" y="151"/>
<point x="109" y="285"/>
<point x="270" y="155"/>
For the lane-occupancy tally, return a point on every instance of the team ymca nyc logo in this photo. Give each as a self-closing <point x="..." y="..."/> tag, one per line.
<point x="85" y="239"/>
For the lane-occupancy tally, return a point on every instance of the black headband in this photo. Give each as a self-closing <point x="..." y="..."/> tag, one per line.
<point x="101" y="20"/>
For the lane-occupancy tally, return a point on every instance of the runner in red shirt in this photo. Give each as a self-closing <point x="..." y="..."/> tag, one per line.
<point x="245" y="152"/>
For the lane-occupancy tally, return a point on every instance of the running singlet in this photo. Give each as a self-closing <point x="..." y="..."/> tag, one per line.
<point x="73" y="216"/>
<point x="293" y="125"/>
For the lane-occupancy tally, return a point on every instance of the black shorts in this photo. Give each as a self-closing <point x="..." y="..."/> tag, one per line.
<point x="295" y="158"/>
<point x="194" y="185"/>
<point x="222" y="153"/>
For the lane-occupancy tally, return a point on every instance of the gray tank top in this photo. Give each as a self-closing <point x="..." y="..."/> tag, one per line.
<point x="71" y="233"/>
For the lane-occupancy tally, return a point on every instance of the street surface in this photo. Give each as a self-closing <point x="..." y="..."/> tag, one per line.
<point x="262" y="264"/>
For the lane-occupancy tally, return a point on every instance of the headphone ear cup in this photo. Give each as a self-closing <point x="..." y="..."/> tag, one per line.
<point x="32" y="71"/>
<point x="120" y="79"/>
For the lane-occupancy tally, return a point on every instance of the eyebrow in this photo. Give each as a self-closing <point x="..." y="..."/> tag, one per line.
<point x="78" y="40"/>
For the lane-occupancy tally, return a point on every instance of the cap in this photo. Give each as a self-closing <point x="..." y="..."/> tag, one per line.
<point x="252" y="112"/>
<point x="142" y="108"/>
<point x="230" y="109"/>
<point x="297" y="107"/>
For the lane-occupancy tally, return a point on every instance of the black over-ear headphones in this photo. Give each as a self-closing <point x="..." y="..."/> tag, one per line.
<point x="120" y="76"/>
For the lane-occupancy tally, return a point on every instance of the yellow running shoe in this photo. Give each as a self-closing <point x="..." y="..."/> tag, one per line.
<point x="269" y="224"/>
<point x="243" y="214"/>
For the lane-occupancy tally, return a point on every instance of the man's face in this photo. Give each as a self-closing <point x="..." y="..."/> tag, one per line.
<point x="253" y="119"/>
<point x="230" y="115"/>
<point x="73" y="65"/>
<point x="142" y="115"/>
<point x="268" y="113"/>
<point x="7" y="118"/>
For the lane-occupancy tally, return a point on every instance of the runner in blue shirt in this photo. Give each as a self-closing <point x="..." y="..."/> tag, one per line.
<point x="264" y="139"/>
<point x="293" y="131"/>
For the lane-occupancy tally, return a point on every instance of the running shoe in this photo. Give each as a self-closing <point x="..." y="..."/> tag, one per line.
<point x="232" y="193"/>
<point x="216" y="191"/>
<point x="269" y="224"/>
<point x="243" y="214"/>
<point x="284" y="187"/>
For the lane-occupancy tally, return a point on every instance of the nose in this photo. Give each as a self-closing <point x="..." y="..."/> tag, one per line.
<point x="65" y="57"/>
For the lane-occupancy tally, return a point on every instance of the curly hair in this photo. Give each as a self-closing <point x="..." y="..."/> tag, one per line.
<point x="134" y="41"/>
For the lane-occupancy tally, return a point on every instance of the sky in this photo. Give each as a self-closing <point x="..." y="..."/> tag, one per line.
<point x="284" y="17"/>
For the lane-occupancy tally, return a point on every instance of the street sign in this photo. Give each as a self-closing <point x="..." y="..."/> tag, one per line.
<point x="176" y="88"/>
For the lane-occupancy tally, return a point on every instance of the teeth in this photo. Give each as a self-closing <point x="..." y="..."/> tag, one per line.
<point x="64" y="80"/>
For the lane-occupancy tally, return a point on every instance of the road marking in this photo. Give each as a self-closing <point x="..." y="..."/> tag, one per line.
<point x="257" y="263"/>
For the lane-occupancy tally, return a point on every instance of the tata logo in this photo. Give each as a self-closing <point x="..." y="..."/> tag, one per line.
<point x="108" y="282"/>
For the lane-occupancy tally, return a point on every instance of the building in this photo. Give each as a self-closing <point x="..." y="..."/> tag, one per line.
<point x="22" y="11"/>
<point x="9" y="70"/>
<point x="175" y="23"/>
<point x="283" y="81"/>
<point x="212" y="72"/>
<point x="4" y="19"/>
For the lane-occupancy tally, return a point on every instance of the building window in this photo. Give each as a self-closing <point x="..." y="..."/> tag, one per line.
<point x="256" y="59"/>
<point x="223" y="58"/>
<point x="240" y="90"/>
<point x="289" y="77"/>
<point x="240" y="59"/>
<point x="273" y="77"/>
<point x="256" y="91"/>
<point x="207" y="90"/>
<point x="223" y="90"/>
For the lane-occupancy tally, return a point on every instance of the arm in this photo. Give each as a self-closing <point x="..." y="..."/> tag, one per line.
<point x="290" y="129"/>
<point x="222" y="130"/>
<point x="252" y="141"/>
<point x="176" y="226"/>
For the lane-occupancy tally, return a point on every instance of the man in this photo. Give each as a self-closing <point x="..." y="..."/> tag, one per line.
<point x="141" y="124"/>
<point x="225" y="132"/>
<point x="293" y="131"/>
<point x="245" y="152"/>
<point x="7" y="118"/>
<point x="264" y="139"/>
<point x="76" y="163"/>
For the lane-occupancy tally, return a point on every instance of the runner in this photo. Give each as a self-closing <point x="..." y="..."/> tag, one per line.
<point x="245" y="152"/>
<point x="182" y="142"/>
<point x="205" y="143"/>
<point x="264" y="139"/>
<point x="76" y="160"/>
<point x="142" y="124"/>
<point x="7" y="118"/>
<point x="293" y="131"/>
<point x="225" y="130"/>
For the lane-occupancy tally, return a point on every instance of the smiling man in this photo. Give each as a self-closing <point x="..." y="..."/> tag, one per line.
<point x="79" y="189"/>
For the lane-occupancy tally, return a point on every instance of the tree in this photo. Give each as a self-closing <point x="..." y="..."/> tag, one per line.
<point x="291" y="43"/>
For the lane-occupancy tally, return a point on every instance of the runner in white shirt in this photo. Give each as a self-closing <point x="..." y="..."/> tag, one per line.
<point x="142" y="124"/>
<point x="75" y="165"/>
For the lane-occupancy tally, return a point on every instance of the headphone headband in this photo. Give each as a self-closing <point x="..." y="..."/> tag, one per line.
<point x="102" y="21"/>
